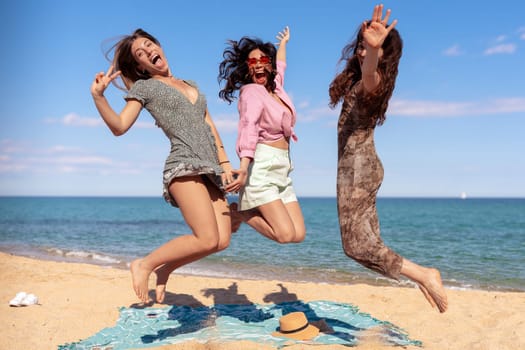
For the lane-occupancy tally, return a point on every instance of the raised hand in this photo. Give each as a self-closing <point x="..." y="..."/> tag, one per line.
<point x="102" y="80"/>
<point x="375" y="32"/>
<point x="283" y="36"/>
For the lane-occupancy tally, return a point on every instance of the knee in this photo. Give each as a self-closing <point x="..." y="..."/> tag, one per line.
<point x="217" y="243"/>
<point x="223" y="244"/>
<point x="210" y="244"/>
<point x="354" y="250"/>
<point x="299" y="236"/>
<point x="290" y="236"/>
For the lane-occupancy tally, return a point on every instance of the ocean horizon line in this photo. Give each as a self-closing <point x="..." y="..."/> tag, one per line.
<point x="232" y="196"/>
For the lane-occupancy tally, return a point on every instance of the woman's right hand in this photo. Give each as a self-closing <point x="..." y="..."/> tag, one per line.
<point x="102" y="80"/>
<point x="240" y="177"/>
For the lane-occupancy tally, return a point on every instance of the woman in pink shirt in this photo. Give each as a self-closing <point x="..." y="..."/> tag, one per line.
<point x="267" y="201"/>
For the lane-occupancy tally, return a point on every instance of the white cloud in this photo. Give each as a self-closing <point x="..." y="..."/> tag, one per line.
<point x="59" y="149"/>
<point x="81" y="160"/>
<point x="226" y="123"/>
<point x="61" y="159"/>
<point x="56" y="158"/>
<point x="504" y="105"/>
<point x="10" y="167"/>
<point x="410" y="108"/>
<point x="424" y="109"/>
<point x="315" y="114"/>
<point x="73" y="119"/>
<point x="521" y="32"/>
<point x="501" y="49"/>
<point x="144" y="125"/>
<point x="303" y="104"/>
<point x="453" y="51"/>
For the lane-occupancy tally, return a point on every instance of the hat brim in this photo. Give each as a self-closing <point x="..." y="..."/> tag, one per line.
<point x="305" y="334"/>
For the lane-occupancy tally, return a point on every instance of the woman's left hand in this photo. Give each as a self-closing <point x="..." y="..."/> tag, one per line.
<point x="283" y="36"/>
<point x="375" y="33"/>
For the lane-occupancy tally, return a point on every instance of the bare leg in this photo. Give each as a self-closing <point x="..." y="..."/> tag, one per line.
<point x="236" y="217"/>
<point x="277" y="221"/>
<point x="429" y="282"/>
<point x="206" y="214"/>
<point x="163" y="272"/>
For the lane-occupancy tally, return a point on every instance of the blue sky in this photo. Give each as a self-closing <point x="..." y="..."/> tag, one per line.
<point x="456" y="121"/>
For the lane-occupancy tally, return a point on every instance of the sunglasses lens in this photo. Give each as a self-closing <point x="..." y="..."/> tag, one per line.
<point x="262" y="60"/>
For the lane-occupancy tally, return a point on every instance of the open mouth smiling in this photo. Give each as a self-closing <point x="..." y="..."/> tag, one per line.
<point x="155" y="58"/>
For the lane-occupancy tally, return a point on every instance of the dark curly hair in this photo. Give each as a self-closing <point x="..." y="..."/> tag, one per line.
<point x="124" y="60"/>
<point x="234" y="68"/>
<point x="351" y="74"/>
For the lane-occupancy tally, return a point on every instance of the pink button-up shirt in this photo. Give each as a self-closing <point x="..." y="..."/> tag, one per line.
<point x="261" y="117"/>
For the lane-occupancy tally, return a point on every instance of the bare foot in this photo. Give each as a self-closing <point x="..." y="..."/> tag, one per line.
<point x="163" y="274"/>
<point x="427" y="295"/>
<point x="139" y="277"/>
<point x="433" y="290"/>
<point x="236" y="217"/>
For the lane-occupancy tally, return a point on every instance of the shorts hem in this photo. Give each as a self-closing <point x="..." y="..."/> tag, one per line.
<point x="252" y="205"/>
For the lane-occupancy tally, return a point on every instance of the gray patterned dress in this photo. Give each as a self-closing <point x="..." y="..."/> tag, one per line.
<point x="193" y="148"/>
<point x="359" y="176"/>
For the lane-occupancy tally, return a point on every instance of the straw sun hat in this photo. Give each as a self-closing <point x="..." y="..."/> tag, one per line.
<point x="295" y="326"/>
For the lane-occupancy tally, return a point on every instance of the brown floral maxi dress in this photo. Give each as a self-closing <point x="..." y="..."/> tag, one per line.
<point x="359" y="176"/>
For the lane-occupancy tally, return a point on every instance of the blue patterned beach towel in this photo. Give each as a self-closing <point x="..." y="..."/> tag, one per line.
<point x="149" y="327"/>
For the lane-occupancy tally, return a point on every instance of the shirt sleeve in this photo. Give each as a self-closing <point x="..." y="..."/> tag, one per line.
<point x="250" y="109"/>
<point x="137" y="92"/>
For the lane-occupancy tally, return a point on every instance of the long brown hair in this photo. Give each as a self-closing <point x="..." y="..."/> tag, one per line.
<point x="387" y="67"/>
<point x="124" y="60"/>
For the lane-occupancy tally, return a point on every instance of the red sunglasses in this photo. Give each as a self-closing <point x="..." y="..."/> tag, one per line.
<point x="262" y="60"/>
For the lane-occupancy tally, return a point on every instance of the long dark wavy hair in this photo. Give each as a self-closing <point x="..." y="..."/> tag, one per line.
<point x="351" y="74"/>
<point x="124" y="60"/>
<point x="234" y="69"/>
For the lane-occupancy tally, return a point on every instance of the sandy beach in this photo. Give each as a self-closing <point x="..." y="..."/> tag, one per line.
<point x="78" y="300"/>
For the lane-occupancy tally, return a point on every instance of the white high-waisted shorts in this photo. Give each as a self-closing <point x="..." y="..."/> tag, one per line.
<point x="268" y="178"/>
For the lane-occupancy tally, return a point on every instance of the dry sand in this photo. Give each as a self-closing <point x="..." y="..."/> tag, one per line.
<point x="78" y="300"/>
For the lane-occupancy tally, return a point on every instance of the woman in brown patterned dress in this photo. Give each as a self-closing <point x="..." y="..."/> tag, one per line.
<point x="365" y="86"/>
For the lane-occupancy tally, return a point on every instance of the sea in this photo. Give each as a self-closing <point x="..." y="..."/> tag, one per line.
<point x="476" y="243"/>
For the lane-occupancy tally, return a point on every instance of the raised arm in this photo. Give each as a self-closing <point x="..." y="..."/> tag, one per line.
<point x="374" y="35"/>
<point x="117" y="123"/>
<point x="283" y="38"/>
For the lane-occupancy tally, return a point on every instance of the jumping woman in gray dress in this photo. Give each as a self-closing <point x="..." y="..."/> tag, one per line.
<point x="365" y="86"/>
<point x="197" y="171"/>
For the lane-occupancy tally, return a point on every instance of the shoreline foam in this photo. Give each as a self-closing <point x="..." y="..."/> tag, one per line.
<point x="255" y="272"/>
